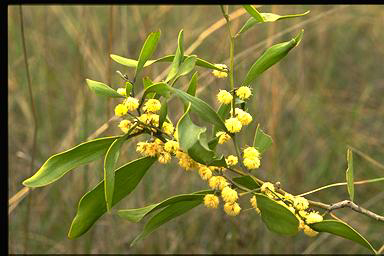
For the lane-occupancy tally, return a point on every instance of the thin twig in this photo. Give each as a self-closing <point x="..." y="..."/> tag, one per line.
<point x="356" y="208"/>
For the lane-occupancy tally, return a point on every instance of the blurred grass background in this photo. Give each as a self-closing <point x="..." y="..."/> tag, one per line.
<point x="326" y="94"/>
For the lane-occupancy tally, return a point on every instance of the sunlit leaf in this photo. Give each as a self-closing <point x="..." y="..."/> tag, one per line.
<point x="277" y="217"/>
<point x="267" y="17"/>
<point x="193" y="85"/>
<point x="253" y="12"/>
<point x="163" y="112"/>
<point x="92" y="205"/>
<point x="261" y="141"/>
<point x="58" y="165"/>
<point x="349" y="175"/>
<point x="341" y="229"/>
<point x="128" y="88"/>
<point x="102" y="89"/>
<point x="187" y="66"/>
<point x="147" y="50"/>
<point x="246" y="181"/>
<point x="271" y="56"/>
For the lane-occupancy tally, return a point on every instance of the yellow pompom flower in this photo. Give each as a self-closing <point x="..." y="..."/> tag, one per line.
<point x="224" y="97"/>
<point x="244" y="117"/>
<point x="229" y="195"/>
<point x="171" y="146"/>
<point x="164" y="157"/>
<point x="122" y="91"/>
<point x="121" y="110"/>
<point x="310" y="232"/>
<point x="231" y="160"/>
<point x="168" y="128"/>
<point x="300" y="203"/>
<point x="268" y="188"/>
<point x="125" y="125"/>
<point x="232" y="209"/>
<point x="243" y="92"/>
<point x="152" y="105"/>
<point x="251" y="152"/>
<point x="131" y="103"/>
<point x="141" y="147"/>
<point x="218" y="182"/>
<point x="313" y="217"/>
<point x="211" y="201"/>
<point x="205" y="173"/>
<point x="251" y="163"/>
<point x="185" y="161"/>
<point x="288" y="197"/>
<point x="223" y="137"/>
<point x="254" y="204"/>
<point x="220" y="74"/>
<point x="150" y="119"/>
<point x="233" y="124"/>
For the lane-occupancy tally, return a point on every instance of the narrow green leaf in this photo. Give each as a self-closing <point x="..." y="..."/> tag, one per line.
<point x="246" y="181"/>
<point x="136" y="215"/>
<point x="168" y="58"/>
<point x="193" y="85"/>
<point x="199" y="106"/>
<point x="261" y="141"/>
<point x="277" y="218"/>
<point x="102" y="89"/>
<point x="342" y="229"/>
<point x="349" y="175"/>
<point x="167" y="214"/>
<point x="92" y="205"/>
<point x="253" y="12"/>
<point x="267" y="17"/>
<point x="271" y="56"/>
<point x="179" y="56"/>
<point x="187" y="66"/>
<point x="110" y="161"/>
<point x="159" y="88"/>
<point x="223" y="113"/>
<point x="163" y="112"/>
<point x="147" y="50"/>
<point x="58" y="165"/>
<point x="190" y="137"/>
<point x="147" y="82"/>
<point x="128" y="88"/>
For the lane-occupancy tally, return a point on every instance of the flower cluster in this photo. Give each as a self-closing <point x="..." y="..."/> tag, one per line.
<point x="296" y="204"/>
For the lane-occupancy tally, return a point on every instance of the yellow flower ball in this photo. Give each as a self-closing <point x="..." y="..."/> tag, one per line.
<point x="244" y="117"/>
<point x="171" y="146"/>
<point x="152" y="105"/>
<point x="251" y="163"/>
<point x="268" y="189"/>
<point x="122" y="91"/>
<point x="224" y="97"/>
<point x="220" y="74"/>
<point x="121" y="110"/>
<point x="218" y="182"/>
<point x="300" y="203"/>
<point x="141" y="147"/>
<point x="251" y="152"/>
<point x="168" y="128"/>
<point x="309" y="232"/>
<point x="254" y="204"/>
<point x="125" y="125"/>
<point x="205" y="173"/>
<point x="164" y="157"/>
<point x="232" y="209"/>
<point x="131" y="103"/>
<point x="229" y="195"/>
<point x="185" y="161"/>
<point x="211" y="201"/>
<point x="223" y="137"/>
<point x="243" y="92"/>
<point x="149" y="119"/>
<point x="231" y="160"/>
<point x="313" y="217"/>
<point x="233" y="125"/>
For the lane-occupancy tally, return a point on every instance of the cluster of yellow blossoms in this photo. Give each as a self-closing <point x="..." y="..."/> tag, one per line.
<point x="296" y="204"/>
<point x="251" y="158"/>
<point x="220" y="74"/>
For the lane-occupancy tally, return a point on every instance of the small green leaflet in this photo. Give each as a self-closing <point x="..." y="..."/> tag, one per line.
<point x="349" y="175"/>
<point x="193" y="85"/>
<point x="179" y="57"/>
<point x="147" y="50"/>
<point x="341" y="229"/>
<point x="277" y="218"/>
<point x="262" y="141"/>
<point x="247" y="182"/>
<point x="254" y="13"/>
<point x="102" y="89"/>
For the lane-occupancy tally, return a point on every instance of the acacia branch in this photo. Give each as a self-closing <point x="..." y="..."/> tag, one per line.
<point x="356" y="208"/>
